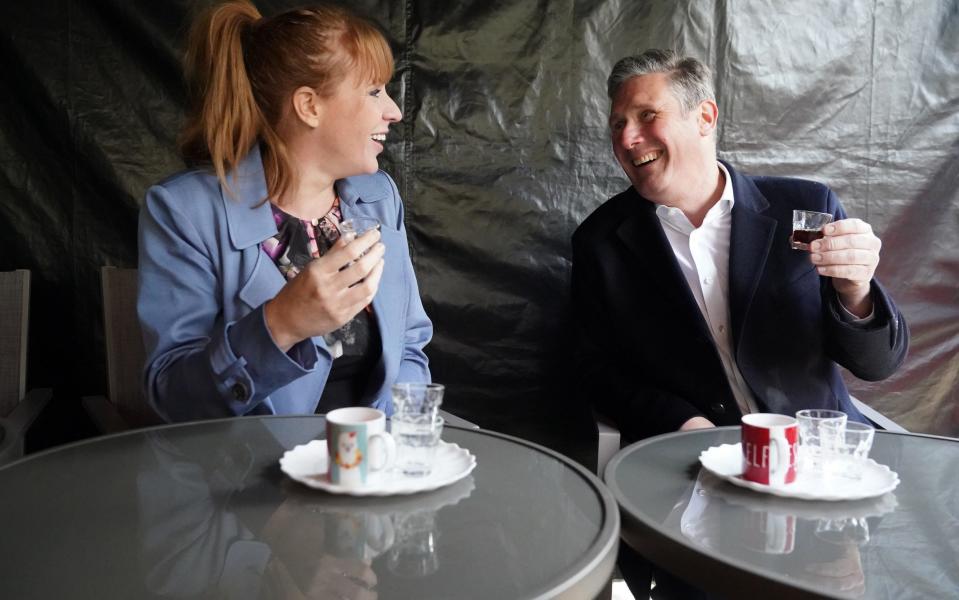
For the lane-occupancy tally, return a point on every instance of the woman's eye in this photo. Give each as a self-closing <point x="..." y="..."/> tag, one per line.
<point x="647" y="116"/>
<point x="376" y="92"/>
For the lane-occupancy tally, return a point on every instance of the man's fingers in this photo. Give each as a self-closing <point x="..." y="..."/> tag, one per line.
<point x="857" y="273"/>
<point x="847" y="226"/>
<point x="864" y="241"/>
<point x="866" y="258"/>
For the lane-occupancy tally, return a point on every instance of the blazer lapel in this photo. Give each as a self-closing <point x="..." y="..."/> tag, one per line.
<point x="750" y="242"/>
<point x="642" y="235"/>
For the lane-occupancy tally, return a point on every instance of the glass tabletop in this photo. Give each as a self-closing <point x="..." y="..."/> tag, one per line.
<point x="203" y="510"/>
<point x="731" y="540"/>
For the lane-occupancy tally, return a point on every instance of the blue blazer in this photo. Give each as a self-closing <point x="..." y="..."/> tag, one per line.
<point x="204" y="281"/>
<point x="645" y="355"/>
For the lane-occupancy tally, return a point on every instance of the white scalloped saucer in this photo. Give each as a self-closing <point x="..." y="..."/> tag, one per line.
<point x="308" y="463"/>
<point x="726" y="462"/>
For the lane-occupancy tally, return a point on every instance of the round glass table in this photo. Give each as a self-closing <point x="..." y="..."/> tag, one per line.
<point x="735" y="542"/>
<point x="202" y="510"/>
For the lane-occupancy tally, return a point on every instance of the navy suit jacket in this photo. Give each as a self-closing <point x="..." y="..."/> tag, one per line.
<point x="645" y="356"/>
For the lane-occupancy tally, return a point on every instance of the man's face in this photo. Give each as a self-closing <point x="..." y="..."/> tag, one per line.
<point x="660" y="149"/>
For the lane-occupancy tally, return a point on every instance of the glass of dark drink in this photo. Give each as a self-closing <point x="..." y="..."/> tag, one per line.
<point x="807" y="228"/>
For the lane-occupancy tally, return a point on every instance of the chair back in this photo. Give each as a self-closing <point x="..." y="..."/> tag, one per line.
<point x="14" y="316"/>
<point x="124" y="347"/>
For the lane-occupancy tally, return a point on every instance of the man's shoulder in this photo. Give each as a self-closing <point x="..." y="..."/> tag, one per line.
<point x="608" y="215"/>
<point x="775" y="183"/>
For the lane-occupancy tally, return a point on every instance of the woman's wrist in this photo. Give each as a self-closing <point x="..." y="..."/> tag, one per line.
<point x="282" y="336"/>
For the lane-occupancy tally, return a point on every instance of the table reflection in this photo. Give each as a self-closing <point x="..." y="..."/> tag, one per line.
<point x="815" y="542"/>
<point x="204" y="530"/>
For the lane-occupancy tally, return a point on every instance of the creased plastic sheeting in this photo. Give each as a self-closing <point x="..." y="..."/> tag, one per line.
<point x="502" y="152"/>
<point x="510" y="147"/>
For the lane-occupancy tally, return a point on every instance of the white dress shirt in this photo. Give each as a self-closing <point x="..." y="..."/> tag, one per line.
<point x="703" y="256"/>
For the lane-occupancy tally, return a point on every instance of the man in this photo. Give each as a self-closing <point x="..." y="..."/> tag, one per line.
<point x="691" y="307"/>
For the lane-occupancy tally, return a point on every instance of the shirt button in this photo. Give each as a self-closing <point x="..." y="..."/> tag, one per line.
<point x="722" y="329"/>
<point x="717" y="408"/>
<point x="239" y="391"/>
<point x="707" y="280"/>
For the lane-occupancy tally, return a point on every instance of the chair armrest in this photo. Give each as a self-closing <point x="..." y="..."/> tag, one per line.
<point x="104" y="414"/>
<point x="878" y="419"/>
<point x="609" y="440"/>
<point x="455" y="421"/>
<point x="14" y="427"/>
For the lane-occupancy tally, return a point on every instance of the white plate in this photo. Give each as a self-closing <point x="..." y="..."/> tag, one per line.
<point x="726" y="462"/>
<point x="308" y="464"/>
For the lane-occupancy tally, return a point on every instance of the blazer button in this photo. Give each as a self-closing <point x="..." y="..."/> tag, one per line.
<point x="717" y="408"/>
<point x="240" y="391"/>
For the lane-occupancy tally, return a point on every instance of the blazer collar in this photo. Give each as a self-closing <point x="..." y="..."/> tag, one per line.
<point x="249" y="218"/>
<point x="248" y="214"/>
<point x="750" y="242"/>
<point x="642" y="234"/>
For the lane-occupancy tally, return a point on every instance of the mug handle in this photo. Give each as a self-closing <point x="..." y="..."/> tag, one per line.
<point x="387" y="444"/>
<point x="778" y="456"/>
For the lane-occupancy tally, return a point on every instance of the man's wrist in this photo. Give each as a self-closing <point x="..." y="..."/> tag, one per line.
<point x="857" y="302"/>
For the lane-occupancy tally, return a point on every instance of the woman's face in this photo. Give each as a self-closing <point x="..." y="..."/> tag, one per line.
<point x="353" y="127"/>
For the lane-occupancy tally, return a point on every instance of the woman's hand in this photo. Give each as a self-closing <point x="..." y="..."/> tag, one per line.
<point x="328" y="292"/>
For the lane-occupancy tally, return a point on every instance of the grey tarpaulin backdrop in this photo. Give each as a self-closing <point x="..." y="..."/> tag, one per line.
<point x="503" y="150"/>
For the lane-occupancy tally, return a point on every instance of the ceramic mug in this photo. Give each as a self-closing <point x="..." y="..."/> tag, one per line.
<point x="358" y="444"/>
<point x="769" y="448"/>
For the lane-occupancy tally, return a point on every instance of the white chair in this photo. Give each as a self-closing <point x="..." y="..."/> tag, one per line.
<point x="18" y="409"/>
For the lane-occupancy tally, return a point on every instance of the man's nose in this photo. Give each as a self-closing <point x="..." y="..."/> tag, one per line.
<point x="630" y="136"/>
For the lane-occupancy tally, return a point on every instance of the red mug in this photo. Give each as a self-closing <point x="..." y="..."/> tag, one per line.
<point x="769" y="448"/>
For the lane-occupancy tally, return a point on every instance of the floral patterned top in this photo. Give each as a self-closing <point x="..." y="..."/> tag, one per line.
<point x="355" y="345"/>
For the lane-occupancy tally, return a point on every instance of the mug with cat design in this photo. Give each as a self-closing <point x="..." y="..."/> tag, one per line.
<point x="358" y="444"/>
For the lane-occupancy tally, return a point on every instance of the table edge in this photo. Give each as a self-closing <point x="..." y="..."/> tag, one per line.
<point x="697" y="564"/>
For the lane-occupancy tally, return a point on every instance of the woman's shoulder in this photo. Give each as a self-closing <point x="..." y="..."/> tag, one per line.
<point x="190" y="182"/>
<point x="372" y="187"/>
<point x="193" y="191"/>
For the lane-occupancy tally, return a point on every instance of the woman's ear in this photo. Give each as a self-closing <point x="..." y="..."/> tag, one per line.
<point x="307" y="106"/>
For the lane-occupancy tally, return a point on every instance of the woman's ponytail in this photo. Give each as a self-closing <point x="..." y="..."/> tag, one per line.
<point x="225" y="120"/>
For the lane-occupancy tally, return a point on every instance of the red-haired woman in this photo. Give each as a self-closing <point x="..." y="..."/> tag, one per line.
<point x="250" y="301"/>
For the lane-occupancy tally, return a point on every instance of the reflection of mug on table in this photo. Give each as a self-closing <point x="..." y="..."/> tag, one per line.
<point x="769" y="533"/>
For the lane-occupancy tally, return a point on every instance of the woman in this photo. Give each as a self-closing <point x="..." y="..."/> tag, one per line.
<point x="250" y="301"/>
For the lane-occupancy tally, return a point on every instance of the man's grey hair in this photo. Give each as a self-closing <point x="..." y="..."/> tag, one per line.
<point x="691" y="80"/>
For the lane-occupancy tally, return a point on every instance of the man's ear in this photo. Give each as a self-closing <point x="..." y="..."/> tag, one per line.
<point x="708" y="117"/>
<point x="307" y="106"/>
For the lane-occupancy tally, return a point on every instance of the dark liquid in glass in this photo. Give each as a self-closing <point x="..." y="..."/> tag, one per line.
<point x="801" y="238"/>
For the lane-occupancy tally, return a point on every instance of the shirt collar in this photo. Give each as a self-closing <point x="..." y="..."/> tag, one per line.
<point x="676" y="219"/>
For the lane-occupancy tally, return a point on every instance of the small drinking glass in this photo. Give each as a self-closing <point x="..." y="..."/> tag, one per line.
<point x="820" y="432"/>
<point x="807" y="228"/>
<point x="417" y="437"/>
<point x="417" y="398"/>
<point x="852" y="450"/>
<point x="357" y="226"/>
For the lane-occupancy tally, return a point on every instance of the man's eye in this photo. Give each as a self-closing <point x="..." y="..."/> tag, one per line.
<point x="647" y="116"/>
<point x="617" y="125"/>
